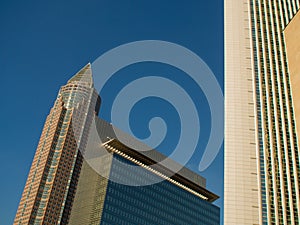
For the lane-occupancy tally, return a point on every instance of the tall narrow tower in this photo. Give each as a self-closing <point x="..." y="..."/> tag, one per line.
<point x="262" y="114"/>
<point x="82" y="174"/>
<point x="50" y="187"/>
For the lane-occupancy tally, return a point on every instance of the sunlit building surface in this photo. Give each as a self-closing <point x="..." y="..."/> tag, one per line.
<point x="82" y="174"/>
<point x="50" y="187"/>
<point x="262" y="112"/>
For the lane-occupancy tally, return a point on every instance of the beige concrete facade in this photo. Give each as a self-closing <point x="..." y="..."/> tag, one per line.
<point x="292" y="37"/>
<point x="241" y="196"/>
<point x="261" y="147"/>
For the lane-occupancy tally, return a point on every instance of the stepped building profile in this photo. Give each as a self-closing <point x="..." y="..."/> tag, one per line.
<point x="81" y="173"/>
<point x="262" y="112"/>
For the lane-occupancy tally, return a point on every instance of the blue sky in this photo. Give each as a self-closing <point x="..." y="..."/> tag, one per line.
<point x="43" y="43"/>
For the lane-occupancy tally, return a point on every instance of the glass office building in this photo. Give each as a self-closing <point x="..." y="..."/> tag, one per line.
<point x="82" y="174"/>
<point x="262" y="124"/>
<point x="122" y="196"/>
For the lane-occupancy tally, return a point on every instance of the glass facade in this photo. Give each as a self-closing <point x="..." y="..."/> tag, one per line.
<point x="160" y="203"/>
<point x="129" y="190"/>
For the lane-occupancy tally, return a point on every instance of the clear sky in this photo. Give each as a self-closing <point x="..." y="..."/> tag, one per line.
<point x="43" y="43"/>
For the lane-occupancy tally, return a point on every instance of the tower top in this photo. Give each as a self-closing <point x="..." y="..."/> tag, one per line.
<point x="83" y="76"/>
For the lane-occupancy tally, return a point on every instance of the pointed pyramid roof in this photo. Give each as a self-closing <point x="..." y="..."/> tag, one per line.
<point x="84" y="76"/>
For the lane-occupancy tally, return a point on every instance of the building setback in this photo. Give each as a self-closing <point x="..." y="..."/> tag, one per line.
<point x="65" y="186"/>
<point x="262" y="170"/>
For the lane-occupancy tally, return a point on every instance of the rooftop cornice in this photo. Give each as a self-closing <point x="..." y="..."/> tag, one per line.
<point x="116" y="146"/>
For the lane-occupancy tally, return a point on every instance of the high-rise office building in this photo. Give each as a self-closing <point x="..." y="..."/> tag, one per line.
<point x="51" y="183"/>
<point x="80" y="172"/>
<point x="135" y="188"/>
<point x="262" y="113"/>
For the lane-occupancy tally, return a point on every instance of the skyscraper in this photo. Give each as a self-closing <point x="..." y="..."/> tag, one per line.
<point x="52" y="180"/>
<point x="262" y="117"/>
<point x="65" y="185"/>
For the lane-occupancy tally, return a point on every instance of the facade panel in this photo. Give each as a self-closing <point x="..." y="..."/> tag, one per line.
<point x="275" y="113"/>
<point x="161" y="203"/>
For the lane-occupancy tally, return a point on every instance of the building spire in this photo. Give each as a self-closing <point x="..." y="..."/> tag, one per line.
<point x="83" y="76"/>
